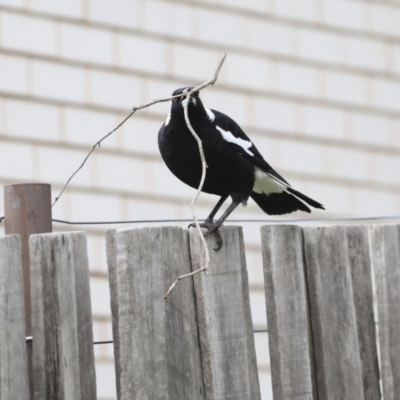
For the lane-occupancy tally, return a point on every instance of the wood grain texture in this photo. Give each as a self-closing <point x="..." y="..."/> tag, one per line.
<point x="289" y="331"/>
<point x="111" y="249"/>
<point x="27" y="210"/>
<point x="14" y="383"/>
<point x="335" y="338"/>
<point x="385" y="257"/>
<point x="224" y="318"/>
<point x="158" y="339"/>
<point x="63" y="360"/>
<point x="360" y="267"/>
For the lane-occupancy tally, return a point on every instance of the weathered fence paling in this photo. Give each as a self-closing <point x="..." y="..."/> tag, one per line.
<point x="27" y="210"/>
<point x="14" y="382"/>
<point x="196" y="344"/>
<point x="360" y="268"/>
<point x="224" y="319"/>
<point x="290" y="337"/>
<point x="158" y="354"/>
<point x="320" y="308"/>
<point x="332" y="311"/>
<point x="63" y="360"/>
<point x="385" y="257"/>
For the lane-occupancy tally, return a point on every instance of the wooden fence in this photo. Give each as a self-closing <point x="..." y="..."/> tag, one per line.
<point x="320" y="285"/>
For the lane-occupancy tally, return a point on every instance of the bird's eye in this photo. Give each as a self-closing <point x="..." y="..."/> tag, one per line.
<point x="175" y="99"/>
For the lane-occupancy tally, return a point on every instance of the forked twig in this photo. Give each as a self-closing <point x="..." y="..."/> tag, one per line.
<point x="179" y="278"/>
<point x="98" y="143"/>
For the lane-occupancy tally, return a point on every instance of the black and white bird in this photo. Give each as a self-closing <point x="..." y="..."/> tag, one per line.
<point x="236" y="168"/>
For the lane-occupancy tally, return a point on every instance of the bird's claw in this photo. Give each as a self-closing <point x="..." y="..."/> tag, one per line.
<point x="211" y="227"/>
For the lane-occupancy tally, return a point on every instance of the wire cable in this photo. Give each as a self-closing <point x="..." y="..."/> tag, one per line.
<point x="267" y="221"/>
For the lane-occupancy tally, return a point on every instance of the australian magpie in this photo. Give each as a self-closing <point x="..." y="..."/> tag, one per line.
<point x="235" y="166"/>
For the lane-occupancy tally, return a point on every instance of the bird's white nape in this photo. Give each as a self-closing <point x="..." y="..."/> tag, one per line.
<point x="168" y="119"/>
<point x="265" y="183"/>
<point x="244" y="144"/>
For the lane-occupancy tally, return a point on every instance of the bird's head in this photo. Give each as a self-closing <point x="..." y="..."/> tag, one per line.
<point x="197" y="110"/>
<point x="179" y="102"/>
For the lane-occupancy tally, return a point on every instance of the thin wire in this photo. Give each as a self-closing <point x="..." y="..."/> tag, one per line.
<point x="29" y="339"/>
<point x="268" y="221"/>
<point x="140" y="221"/>
<point x="104" y="342"/>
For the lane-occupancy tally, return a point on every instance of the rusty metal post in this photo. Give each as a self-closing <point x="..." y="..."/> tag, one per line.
<point x="27" y="210"/>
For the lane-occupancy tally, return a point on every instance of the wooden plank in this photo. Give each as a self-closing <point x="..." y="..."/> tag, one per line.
<point x="360" y="267"/>
<point x="27" y="210"/>
<point x="111" y="248"/>
<point x="158" y="339"/>
<point x="63" y="359"/>
<point x="385" y="256"/>
<point x="224" y="318"/>
<point x="14" y="382"/>
<point x="335" y="338"/>
<point x="289" y="331"/>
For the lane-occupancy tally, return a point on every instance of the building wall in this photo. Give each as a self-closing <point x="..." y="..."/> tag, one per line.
<point x="315" y="83"/>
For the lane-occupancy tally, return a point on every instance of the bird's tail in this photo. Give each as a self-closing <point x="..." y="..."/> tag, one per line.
<point x="285" y="202"/>
<point x="303" y="197"/>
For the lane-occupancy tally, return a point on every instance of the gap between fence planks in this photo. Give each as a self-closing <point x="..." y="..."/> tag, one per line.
<point x="111" y="250"/>
<point x="14" y="383"/>
<point x="63" y="359"/>
<point x="197" y="344"/>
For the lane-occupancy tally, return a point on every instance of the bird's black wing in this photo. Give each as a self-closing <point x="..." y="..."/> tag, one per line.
<point x="244" y="146"/>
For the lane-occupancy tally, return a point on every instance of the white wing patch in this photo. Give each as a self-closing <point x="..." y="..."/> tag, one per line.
<point x="265" y="183"/>
<point x="210" y="114"/>
<point x="168" y="119"/>
<point x="244" y="144"/>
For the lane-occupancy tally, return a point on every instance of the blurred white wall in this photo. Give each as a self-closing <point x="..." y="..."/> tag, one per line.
<point x="316" y="83"/>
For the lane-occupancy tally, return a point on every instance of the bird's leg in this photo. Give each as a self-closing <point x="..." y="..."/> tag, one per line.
<point x="210" y="225"/>
<point x="213" y="226"/>
<point x="209" y="219"/>
<point x="221" y="201"/>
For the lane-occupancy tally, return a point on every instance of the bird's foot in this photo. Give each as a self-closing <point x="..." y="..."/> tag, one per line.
<point x="212" y="227"/>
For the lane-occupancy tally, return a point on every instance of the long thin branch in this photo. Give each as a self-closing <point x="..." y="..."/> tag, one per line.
<point x="98" y="143"/>
<point x="193" y="202"/>
<point x="203" y="177"/>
